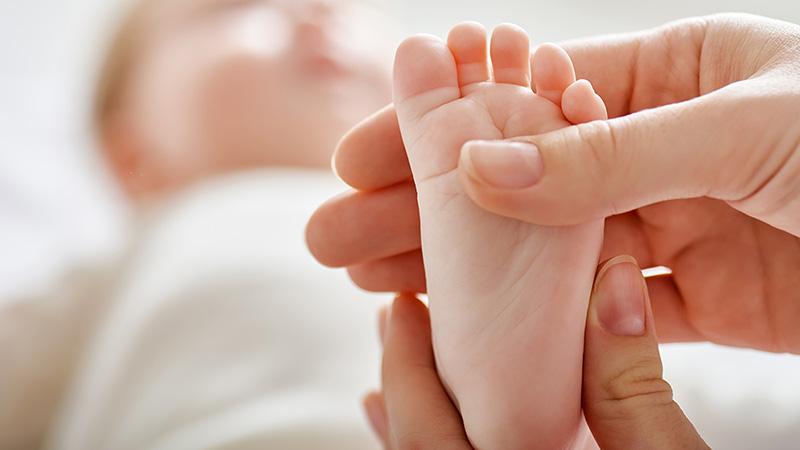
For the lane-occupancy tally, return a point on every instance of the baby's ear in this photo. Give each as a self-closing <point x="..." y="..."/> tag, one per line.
<point x="124" y="153"/>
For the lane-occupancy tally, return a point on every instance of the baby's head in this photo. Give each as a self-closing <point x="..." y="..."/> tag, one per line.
<point x="193" y="88"/>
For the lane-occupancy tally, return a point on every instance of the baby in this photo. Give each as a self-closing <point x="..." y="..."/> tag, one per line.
<point x="508" y="299"/>
<point x="192" y="89"/>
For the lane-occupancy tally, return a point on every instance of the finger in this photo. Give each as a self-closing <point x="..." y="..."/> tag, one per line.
<point x="627" y="70"/>
<point x="357" y="227"/>
<point x="671" y="319"/>
<point x="626" y="401"/>
<point x="610" y="64"/>
<point x="421" y="415"/>
<point x="705" y="147"/>
<point x="625" y="234"/>
<point x="372" y="155"/>
<point x="400" y="273"/>
<point x="376" y="414"/>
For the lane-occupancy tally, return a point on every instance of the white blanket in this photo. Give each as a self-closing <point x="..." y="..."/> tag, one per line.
<point x="217" y="330"/>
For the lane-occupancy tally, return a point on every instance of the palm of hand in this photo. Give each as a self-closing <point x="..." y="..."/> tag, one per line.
<point x="734" y="278"/>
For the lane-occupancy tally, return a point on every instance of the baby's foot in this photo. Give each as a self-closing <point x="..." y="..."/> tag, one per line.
<point x="508" y="299"/>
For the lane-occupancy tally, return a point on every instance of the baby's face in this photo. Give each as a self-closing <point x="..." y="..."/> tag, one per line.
<point x="229" y="84"/>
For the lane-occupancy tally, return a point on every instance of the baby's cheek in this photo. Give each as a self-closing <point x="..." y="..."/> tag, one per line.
<point x="534" y="118"/>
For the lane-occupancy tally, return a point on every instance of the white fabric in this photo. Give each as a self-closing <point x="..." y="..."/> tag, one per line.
<point x="221" y="332"/>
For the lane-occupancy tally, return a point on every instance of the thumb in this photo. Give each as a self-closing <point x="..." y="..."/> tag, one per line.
<point x="702" y="147"/>
<point x="626" y="401"/>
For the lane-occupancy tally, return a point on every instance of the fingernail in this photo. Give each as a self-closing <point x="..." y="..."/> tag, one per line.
<point x="504" y="165"/>
<point x="619" y="297"/>
<point x="376" y="415"/>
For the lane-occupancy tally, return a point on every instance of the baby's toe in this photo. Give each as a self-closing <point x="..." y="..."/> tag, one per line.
<point x="425" y="80"/>
<point x="510" y="51"/>
<point x="553" y="72"/>
<point x="580" y="103"/>
<point x="467" y="41"/>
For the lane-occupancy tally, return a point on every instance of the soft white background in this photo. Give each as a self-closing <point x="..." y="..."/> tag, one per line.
<point x="54" y="207"/>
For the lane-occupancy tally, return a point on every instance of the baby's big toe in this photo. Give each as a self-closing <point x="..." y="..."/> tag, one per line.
<point x="426" y="79"/>
<point x="425" y="76"/>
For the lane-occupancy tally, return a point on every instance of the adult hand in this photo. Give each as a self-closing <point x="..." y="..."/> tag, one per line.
<point x="706" y="124"/>
<point x="626" y="402"/>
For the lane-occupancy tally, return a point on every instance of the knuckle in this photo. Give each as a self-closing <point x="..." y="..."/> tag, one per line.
<point x="639" y="384"/>
<point x="601" y="142"/>
<point x="769" y="162"/>
<point x="709" y="319"/>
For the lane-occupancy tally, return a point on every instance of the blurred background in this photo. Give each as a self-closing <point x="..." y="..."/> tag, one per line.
<point x="58" y="205"/>
<point x="53" y="206"/>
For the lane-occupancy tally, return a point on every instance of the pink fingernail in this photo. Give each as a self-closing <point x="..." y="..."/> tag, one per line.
<point x="619" y="297"/>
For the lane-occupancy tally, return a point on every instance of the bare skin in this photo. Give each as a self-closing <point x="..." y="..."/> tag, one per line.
<point x="699" y="170"/>
<point x="500" y="288"/>
<point x="218" y="86"/>
<point x="626" y="401"/>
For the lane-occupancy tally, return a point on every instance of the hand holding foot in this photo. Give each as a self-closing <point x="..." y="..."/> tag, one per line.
<point x="733" y="140"/>
<point x="634" y="410"/>
<point x="500" y="289"/>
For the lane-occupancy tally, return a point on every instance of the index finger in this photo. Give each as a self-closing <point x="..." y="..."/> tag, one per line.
<point x="372" y="155"/>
